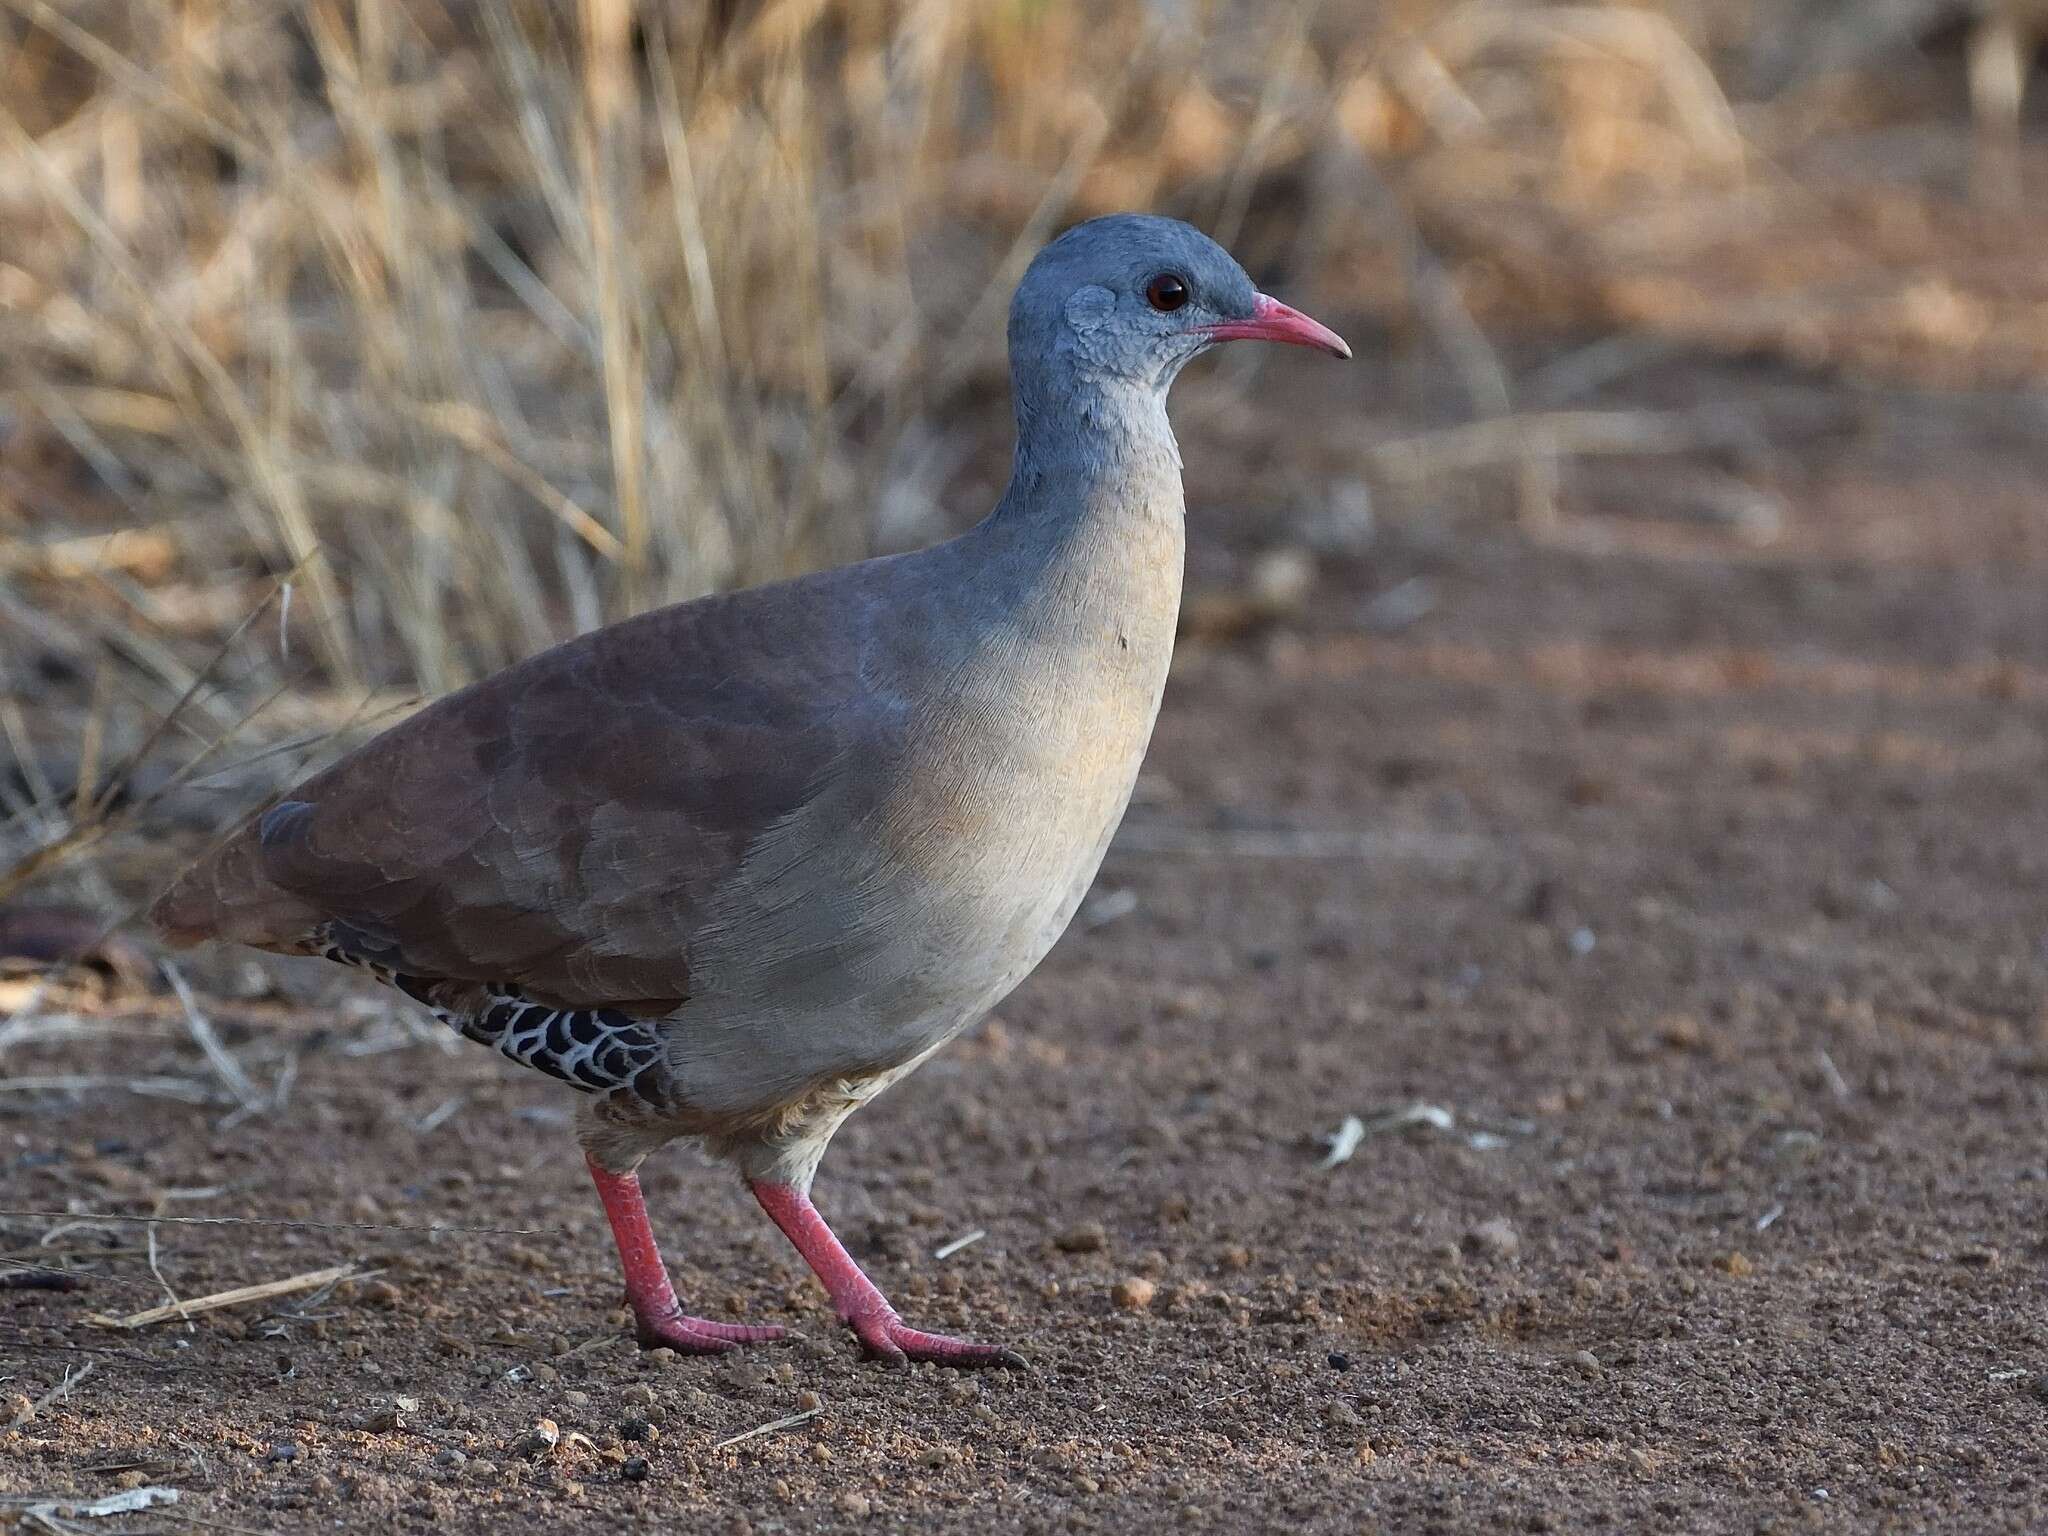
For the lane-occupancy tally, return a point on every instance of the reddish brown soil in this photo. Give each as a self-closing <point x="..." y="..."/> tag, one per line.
<point x="1703" y="883"/>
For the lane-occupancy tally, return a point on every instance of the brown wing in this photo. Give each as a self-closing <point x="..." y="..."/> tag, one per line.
<point x="560" y="825"/>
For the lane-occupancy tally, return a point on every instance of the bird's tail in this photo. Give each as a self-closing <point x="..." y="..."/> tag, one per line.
<point x="227" y="895"/>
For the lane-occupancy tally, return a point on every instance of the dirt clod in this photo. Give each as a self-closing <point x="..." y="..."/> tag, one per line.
<point x="1082" y="1237"/>
<point x="1134" y="1294"/>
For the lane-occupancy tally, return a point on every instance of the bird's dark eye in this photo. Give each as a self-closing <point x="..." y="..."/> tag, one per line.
<point x="1166" y="292"/>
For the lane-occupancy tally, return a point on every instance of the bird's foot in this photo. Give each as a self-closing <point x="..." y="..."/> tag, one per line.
<point x="687" y="1335"/>
<point x="886" y="1337"/>
<point x="883" y="1335"/>
<point x="659" y="1321"/>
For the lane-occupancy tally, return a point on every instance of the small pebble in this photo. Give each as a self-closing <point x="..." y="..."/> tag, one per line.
<point x="635" y="1470"/>
<point x="1587" y="1362"/>
<point x="1342" y="1415"/>
<point x="450" y="1458"/>
<point x="1083" y="1237"/>
<point x="639" y="1431"/>
<point x="641" y="1393"/>
<point x="1134" y="1294"/>
<point x="284" y="1450"/>
<point x="808" y="1401"/>
<point x="661" y="1358"/>
<point x="576" y="1399"/>
<point x="1497" y="1237"/>
<point x="1339" y="1361"/>
<point x="545" y="1435"/>
<point x="1680" y="1031"/>
<point x="1236" y="1256"/>
<point x="1736" y="1264"/>
<point x="853" y="1504"/>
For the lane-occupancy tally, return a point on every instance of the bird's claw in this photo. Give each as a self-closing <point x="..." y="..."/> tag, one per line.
<point x="688" y="1335"/>
<point x="886" y="1337"/>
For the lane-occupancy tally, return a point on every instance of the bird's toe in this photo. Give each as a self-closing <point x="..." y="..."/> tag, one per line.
<point x="700" y="1336"/>
<point x="895" y="1343"/>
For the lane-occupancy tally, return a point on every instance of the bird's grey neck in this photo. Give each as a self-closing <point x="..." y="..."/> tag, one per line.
<point x="1102" y="458"/>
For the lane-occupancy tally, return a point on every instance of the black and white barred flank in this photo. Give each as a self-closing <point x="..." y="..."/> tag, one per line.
<point x="594" y="1050"/>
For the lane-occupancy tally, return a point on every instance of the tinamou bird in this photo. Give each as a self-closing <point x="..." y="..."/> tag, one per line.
<point x="731" y="868"/>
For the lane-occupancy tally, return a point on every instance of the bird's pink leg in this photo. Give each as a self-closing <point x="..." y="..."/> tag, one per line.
<point x="854" y="1296"/>
<point x="658" y="1318"/>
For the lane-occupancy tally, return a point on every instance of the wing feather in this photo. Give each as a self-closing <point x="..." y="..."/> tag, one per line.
<point x="563" y="825"/>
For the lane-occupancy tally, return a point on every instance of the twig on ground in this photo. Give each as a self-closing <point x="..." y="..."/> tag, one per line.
<point x="38" y="1277"/>
<point x="224" y="1065"/>
<point x="239" y="1296"/>
<point x="440" y="1114"/>
<point x="79" y="1082"/>
<point x="1343" y="1143"/>
<point x="769" y="1428"/>
<point x="156" y="1269"/>
<point x="56" y="1513"/>
<point x="56" y="1394"/>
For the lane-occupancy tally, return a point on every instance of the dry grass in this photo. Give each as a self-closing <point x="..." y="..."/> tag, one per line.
<point x="475" y="326"/>
<point x="507" y="320"/>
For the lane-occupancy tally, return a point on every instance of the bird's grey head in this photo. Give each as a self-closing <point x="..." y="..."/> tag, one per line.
<point x="1121" y="304"/>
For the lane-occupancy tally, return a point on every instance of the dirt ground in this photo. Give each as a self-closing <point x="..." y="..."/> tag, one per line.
<point x="1692" y="882"/>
